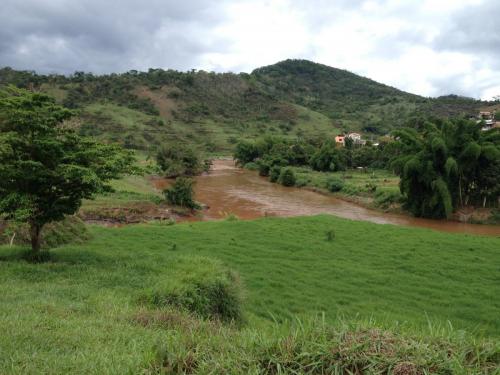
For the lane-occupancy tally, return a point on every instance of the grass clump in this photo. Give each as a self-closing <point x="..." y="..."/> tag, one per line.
<point x="334" y="184"/>
<point x="387" y="198"/>
<point x="202" y="286"/>
<point x="314" y="347"/>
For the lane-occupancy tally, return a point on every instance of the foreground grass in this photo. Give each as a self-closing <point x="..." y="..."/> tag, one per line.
<point x="77" y="313"/>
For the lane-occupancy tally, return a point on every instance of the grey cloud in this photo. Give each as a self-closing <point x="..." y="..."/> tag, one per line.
<point x="473" y="30"/>
<point x="105" y="36"/>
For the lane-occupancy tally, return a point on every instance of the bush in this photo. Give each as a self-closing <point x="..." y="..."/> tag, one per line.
<point x="384" y="199"/>
<point x="177" y="160"/>
<point x="264" y="169"/>
<point x="274" y="173"/>
<point x="287" y="177"/>
<point x="202" y="286"/>
<point x="181" y="193"/>
<point x="334" y="184"/>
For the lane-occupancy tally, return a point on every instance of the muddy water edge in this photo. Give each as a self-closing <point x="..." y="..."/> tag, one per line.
<point x="230" y="190"/>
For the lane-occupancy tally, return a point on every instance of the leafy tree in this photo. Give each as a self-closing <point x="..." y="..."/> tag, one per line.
<point x="449" y="164"/>
<point x="328" y="158"/>
<point x="245" y="152"/>
<point x="46" y="169"/>
<point x="181" y="193"/>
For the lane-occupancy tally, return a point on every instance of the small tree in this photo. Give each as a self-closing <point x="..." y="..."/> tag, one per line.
<point x="178" y="160"/>
<point x="181" y="193"/>
<point x="46" y="169"/>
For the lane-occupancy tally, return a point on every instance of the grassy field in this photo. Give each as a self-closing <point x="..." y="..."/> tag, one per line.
<point x="76" y="313"/>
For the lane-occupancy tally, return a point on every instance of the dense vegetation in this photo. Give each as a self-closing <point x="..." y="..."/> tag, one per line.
<point x="294" y="98"/>
<point x="128" y="300"/>
<point x="443" y="165"/>
<point x="447" y="165"/>
<point x="46" y="169"/>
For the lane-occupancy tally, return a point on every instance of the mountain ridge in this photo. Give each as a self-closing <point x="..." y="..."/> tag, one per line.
<point x="292" y="98"/>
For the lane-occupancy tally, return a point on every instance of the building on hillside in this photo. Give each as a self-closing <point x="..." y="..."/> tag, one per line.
<point x="356" y="138"/>
<point x="340" y="140"/>
<point x="487" y="118"/>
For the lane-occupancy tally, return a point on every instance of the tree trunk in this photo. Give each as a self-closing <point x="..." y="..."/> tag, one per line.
<point x="35" y="230"/>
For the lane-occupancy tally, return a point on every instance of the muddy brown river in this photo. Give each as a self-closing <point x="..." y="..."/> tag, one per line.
<point x="231" y="190"/>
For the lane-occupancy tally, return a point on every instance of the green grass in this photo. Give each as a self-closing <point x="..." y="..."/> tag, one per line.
<point x="74" y="314"/>
<point x="375" y="188"/>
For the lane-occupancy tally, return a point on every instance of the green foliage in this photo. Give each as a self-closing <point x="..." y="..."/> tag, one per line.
<point x="287" y="177"/>
<point x="328" y="158"/>
<point x="181" y="193"/>
<point x="202" y="286"/>
<point x="386" y="198"/>
<point x="447" y="165"/>
<point x="245" y="152"/>
<point x="274" y="173"/>
<point x="178" y="160"/>
<point x="334" y="184"/>
<point x="46" y="169"/>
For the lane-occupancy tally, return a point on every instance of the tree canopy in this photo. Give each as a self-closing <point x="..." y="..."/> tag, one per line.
<point x="448" y="165"/>
<point x="46" y="169"/>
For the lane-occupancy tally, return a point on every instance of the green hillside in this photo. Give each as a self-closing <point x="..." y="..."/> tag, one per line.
<point x="293" y="98"/>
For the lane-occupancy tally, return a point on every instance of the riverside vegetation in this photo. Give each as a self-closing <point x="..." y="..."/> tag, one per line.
<point x="306" y="295"/>
<point x="443" y="166"/>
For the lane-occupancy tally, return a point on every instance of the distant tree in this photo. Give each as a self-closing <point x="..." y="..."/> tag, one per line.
<point x="245" y="152"/>
<point x="181" y="193"/>
<point x="46" y="169"/>
<point x="328" y="158"/>
<point x="177" y="160"/>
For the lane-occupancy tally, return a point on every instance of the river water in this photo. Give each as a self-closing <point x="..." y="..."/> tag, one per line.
<point x="231" y="190"/>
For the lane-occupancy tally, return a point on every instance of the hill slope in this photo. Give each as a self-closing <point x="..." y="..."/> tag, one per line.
<point x="293" y="98"/>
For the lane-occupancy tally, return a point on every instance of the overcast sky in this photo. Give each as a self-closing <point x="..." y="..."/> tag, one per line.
<point x="427" y="47"/>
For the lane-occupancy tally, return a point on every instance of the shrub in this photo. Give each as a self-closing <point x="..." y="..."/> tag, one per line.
<point x="177" y="160"/>
<point x="181" y="193"/>
<point x="202" y="286"/>
<point x="384" y="199"/>
<point x="334" y="184"/>
<point x="264" y="168"/>
<point x="287" y="177"/>
<point x="274" y="173"/>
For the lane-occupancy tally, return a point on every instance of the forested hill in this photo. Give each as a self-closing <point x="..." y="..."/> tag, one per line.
<point x="295" y="98"/>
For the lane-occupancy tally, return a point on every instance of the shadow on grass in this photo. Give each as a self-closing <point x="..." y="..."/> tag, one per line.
<point x="73" y="257"/>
